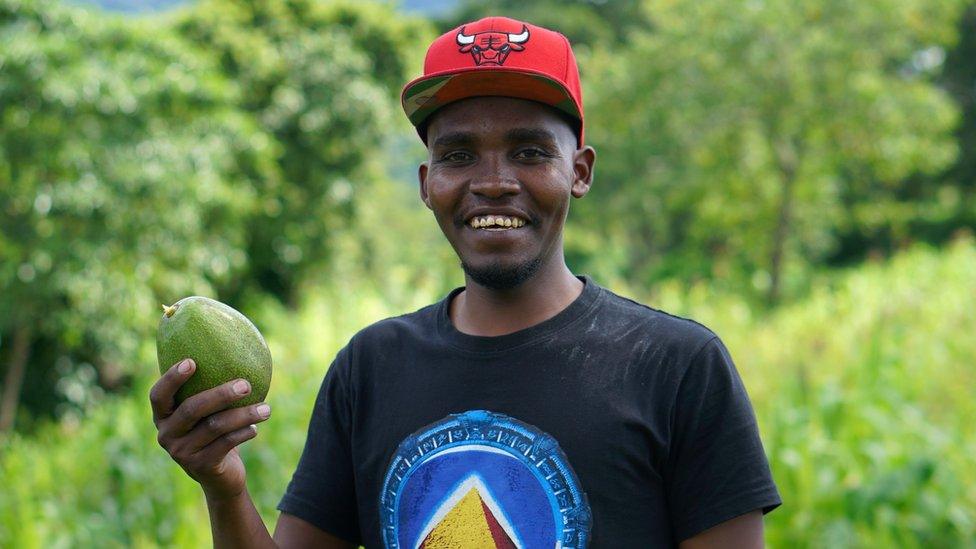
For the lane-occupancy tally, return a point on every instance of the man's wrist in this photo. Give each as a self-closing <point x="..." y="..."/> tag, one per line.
<point x="222" y="497"/>
<point x="235" y="522"/>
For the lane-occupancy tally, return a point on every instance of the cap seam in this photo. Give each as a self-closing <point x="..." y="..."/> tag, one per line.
<point x="566" y="61"/>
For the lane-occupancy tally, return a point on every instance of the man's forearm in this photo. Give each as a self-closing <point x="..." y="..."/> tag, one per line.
<point x="235" y="523"/>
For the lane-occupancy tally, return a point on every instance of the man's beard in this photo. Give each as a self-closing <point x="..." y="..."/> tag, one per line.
<point x="496" y="276"/>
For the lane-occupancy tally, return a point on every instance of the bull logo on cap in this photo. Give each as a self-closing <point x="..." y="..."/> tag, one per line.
<point x="491" y="47"/>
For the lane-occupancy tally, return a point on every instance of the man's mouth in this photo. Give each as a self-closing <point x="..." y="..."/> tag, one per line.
<point x="496" y="222"/>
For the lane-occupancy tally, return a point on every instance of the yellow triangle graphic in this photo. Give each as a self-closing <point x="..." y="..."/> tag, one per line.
<point x="465" y="526"/>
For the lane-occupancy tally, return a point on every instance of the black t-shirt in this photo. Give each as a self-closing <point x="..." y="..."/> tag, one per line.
<point x="610" y="424"/>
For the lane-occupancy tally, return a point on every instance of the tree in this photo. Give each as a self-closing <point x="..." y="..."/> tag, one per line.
<point x="731" y="133"/>
<point x="587" y="23"/>
<point x="322" y="80"/>
<point x="218" y="153"/>
<point x="120" y="183"/>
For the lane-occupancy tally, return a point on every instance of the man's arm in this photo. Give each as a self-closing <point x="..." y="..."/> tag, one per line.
<point x="745" y="532"/>
<point x="202" y="435"/>
<point x="236" y="523"/>
<point x="295" y="533"/>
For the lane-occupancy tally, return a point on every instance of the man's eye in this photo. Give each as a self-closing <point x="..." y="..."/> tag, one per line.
<point x="455" y="156"/>
<point x="532" y="153"/>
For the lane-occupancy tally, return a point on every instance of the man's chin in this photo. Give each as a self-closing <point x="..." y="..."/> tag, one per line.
<point x="498" y="276"/>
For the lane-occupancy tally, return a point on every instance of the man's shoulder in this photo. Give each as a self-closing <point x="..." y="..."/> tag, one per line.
<point x="621" y="314"/>
<point x="396" y="329"/>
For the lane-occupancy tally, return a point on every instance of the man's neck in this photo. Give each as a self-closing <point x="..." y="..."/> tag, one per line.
<point x="483" y="311"/>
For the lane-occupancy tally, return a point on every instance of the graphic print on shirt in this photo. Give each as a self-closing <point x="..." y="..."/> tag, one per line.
<point x="482" y="479"/>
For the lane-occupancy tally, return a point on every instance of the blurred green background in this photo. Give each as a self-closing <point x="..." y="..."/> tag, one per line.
<point x="798" y="175"/>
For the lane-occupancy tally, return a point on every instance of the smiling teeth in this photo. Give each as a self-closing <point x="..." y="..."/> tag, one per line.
<point x="499" y="221"/>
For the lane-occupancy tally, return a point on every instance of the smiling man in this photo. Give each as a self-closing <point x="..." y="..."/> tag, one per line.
<point x="530" y="407"/>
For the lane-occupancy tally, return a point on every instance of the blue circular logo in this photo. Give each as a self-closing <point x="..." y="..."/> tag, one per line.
<point x="481" y="479"/>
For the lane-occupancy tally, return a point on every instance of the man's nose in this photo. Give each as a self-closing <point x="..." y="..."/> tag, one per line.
<point x="495" y="179"/>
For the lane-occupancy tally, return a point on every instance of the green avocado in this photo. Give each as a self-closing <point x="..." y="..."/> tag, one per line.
<point x="224" y="344"/>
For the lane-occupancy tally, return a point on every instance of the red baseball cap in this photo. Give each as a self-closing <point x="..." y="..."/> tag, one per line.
<point x="496" y="56"/>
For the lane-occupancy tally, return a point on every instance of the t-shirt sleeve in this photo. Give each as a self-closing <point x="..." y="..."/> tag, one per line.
<point x="716" y="469"/>
<point x="322" y="490"/>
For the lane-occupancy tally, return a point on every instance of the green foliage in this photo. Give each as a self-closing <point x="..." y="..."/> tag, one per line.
<point x="140" y="162"/>
<point x="883" y="433"/>
<point x="931" y="209"/>
<point x="105" y="482"/>
<point x="587" y="23"/>
<point x="863" y="394"/>
<point x="321" y="79"/>
<point x="119" y="161"/>
<point x="732" y="134"/>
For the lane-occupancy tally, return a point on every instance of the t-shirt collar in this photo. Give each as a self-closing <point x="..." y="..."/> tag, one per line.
<point x="497" y="344"/>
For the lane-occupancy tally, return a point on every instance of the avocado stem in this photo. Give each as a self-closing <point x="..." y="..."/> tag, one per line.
<point x="168" y="310"/>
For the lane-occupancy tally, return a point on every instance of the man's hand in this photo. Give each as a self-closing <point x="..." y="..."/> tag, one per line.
<point x="203" y="433"/>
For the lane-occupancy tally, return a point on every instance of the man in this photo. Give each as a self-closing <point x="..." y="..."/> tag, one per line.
<point x="530" y="408"/>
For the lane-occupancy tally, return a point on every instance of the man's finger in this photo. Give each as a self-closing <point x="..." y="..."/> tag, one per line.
<point x="163" y="392"/>
<point x="217" y="425"/>
<point x="203" y="404"/>
<point x="216" y="450"/>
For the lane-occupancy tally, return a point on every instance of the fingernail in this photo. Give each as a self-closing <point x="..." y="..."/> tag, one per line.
<point x="263" y="410"/>
<point x="185" y="366"/>
<point x="241" y="387"/>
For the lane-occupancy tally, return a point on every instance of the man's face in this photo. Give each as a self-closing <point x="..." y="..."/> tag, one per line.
<point x="499" y="177"/>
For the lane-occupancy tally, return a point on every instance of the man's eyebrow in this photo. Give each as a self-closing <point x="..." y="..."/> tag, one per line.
<point x="453" y="139"/>
<point x="531" y="134"/>
<point x="538" y="135"/>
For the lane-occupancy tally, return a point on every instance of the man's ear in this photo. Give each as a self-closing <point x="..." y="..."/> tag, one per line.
<point x="422" y="176"/>
<point x="583" y="160"/>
